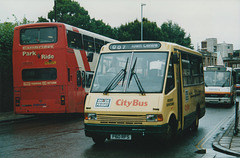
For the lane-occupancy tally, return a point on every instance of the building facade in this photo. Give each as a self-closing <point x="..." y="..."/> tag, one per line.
<point x="225" y="49"/>
<point x="208" y="49"/>
<point x="214" y="52"/>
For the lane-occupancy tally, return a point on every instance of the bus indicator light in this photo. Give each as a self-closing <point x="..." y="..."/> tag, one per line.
<point x="154" y="117"/>
<point x="62" y="100"/>
<point x="160" y="117"/>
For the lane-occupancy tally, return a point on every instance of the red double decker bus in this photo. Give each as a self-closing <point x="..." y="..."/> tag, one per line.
<point x="53" y="66"/>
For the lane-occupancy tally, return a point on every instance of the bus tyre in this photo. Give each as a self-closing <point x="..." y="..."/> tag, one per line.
<point x="171" y="129"/>
<point x="195" y="123"/>
<point x="98" y="139"/>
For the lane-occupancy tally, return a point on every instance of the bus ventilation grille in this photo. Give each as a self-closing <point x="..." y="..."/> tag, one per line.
<point x="122" y="119"/>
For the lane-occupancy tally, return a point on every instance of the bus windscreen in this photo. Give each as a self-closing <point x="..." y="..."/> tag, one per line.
<point x="143" y="72"/>
<point x="38" y="35"/>
<point x="217" y="78"/>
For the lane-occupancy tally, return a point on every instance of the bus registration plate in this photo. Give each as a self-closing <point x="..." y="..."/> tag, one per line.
<point x="121" y="136"/>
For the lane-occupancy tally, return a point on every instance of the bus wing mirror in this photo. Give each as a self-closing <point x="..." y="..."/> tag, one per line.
<point x="175" y="58"/>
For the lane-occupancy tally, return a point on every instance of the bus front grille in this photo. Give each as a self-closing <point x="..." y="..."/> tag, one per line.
<point x="122" y="119"/>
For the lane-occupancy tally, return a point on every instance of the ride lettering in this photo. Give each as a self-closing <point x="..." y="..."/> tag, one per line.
<point x="45" y="56"/>
<point x="134" y="102"/>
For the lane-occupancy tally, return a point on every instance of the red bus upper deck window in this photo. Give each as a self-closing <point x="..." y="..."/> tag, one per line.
<point x="38" y="35"/>
<point x="74" y="40"/>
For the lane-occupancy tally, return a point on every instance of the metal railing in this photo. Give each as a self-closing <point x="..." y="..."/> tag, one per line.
<point x="236" y="130"/>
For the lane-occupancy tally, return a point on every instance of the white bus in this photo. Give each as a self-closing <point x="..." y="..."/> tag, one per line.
<point x="219" y="85"/>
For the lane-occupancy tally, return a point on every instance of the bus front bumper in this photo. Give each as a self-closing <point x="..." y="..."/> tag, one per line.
<point x="92" y="130"/>
<point x="222" y="100"/>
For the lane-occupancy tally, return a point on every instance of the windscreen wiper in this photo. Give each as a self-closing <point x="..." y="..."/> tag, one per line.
<point x="116" y="79"/>
<point x="133" y="74"/>
<point x="206" y="84"/>
<point x="225" y="82"/>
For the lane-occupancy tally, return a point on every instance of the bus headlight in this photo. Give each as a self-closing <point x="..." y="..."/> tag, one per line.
<point x="154" y="117"/>
<point x="90" y="116"/>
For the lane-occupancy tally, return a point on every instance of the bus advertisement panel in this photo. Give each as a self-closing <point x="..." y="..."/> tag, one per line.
<point x="144" y="89"/>
<point x="53" y="66"/>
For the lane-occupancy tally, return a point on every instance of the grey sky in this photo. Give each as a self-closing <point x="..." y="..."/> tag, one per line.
<point x="200" y="18"/>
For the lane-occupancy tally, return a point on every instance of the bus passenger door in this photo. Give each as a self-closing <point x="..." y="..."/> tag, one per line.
<point x="80" y="91"/>
<point x="179" y="88"/>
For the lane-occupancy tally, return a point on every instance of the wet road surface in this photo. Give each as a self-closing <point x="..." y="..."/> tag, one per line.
<point x="64" y="137"/>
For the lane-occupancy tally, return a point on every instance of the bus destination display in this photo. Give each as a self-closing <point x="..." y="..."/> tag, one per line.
<point x="132" y="46"/>
<point x="216" y="69"/>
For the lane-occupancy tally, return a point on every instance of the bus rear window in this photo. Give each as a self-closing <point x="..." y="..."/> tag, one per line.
<point x="39" y="74"/>
<point x="38" y="35"/>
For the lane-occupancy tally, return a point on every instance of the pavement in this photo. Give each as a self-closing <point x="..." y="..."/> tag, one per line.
<point x="11" y="117"/>
<point x="227" y="141"/>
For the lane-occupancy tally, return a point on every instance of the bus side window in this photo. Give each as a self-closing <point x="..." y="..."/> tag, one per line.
<point x="88" y="43"/>
<point x="186" y="70"/>
<point x="170" y="77"/>
<point x="99" y="43"/>
<point x="89" y="46"/>
<point x="74" y="40"/>
<point x="78" y="78"/>
<point x="83" y="79"/>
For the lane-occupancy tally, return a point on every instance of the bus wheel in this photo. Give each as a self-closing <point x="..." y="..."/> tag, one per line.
<point x="172" y="128"/>
<point x="98" y="139"/>
<point x="195" y="123"/>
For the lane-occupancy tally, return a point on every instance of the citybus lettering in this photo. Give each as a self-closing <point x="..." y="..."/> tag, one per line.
<point x="134" y="102"/>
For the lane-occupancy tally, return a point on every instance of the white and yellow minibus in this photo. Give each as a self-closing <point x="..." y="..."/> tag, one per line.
<point x="144" y="88"/>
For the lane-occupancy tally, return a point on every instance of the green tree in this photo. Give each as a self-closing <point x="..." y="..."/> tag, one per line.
<point x="132" y="31"/>
<point x="169" y="32"/>
<point x="70" y="12"/>
<point x="6" y="87"/>
<point x="24" y="21"/>
<point x="150" y="30"/>
<point x="98" y="26"/>
<point x="6" y="77"/>
<point x="129" y="31"/>
<point x="42" y="19"/>
<point x="172" y="32"/>
<point x="6" y="41"/>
